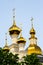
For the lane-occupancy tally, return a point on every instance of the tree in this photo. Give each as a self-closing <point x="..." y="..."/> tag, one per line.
<point x="31" y="60"/>
<point x="7" y="58"/>
<point x="1" y="56"/>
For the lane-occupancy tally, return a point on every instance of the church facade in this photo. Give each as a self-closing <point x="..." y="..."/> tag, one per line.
<point x="18" y="42"/>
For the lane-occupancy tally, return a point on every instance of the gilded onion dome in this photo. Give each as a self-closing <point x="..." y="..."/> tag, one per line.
<point x="6" y="47"/>
<point x="21" y="39"/>
<point x="32" y="31"/>
<point x="33" y="47"/>
<point x="14" y="29"/>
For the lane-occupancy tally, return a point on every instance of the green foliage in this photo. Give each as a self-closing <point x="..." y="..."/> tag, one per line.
<point x="31" y="60"/>
<point x="7" y="58"/>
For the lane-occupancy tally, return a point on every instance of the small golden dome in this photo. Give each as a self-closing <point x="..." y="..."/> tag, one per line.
<point x="33" y="48"/>
<point x="6" y="48"/>
<point x="32" y="31"/>
<point x="21" y="39"/>
<point x="14" y="29"/>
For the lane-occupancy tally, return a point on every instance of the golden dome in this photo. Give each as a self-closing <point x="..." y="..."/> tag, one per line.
<point x="14" y="29"/>
<point x="21" y="39"/>
<point x="6" y="48"/>
<point x="32" y="31"/>
<point x="33" y="48"/>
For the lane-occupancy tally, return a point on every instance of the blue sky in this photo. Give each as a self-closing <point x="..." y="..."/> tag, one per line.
<point x="25" y="9"/>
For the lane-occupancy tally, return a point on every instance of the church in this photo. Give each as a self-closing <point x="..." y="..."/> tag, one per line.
<point x="18" y="42"/>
